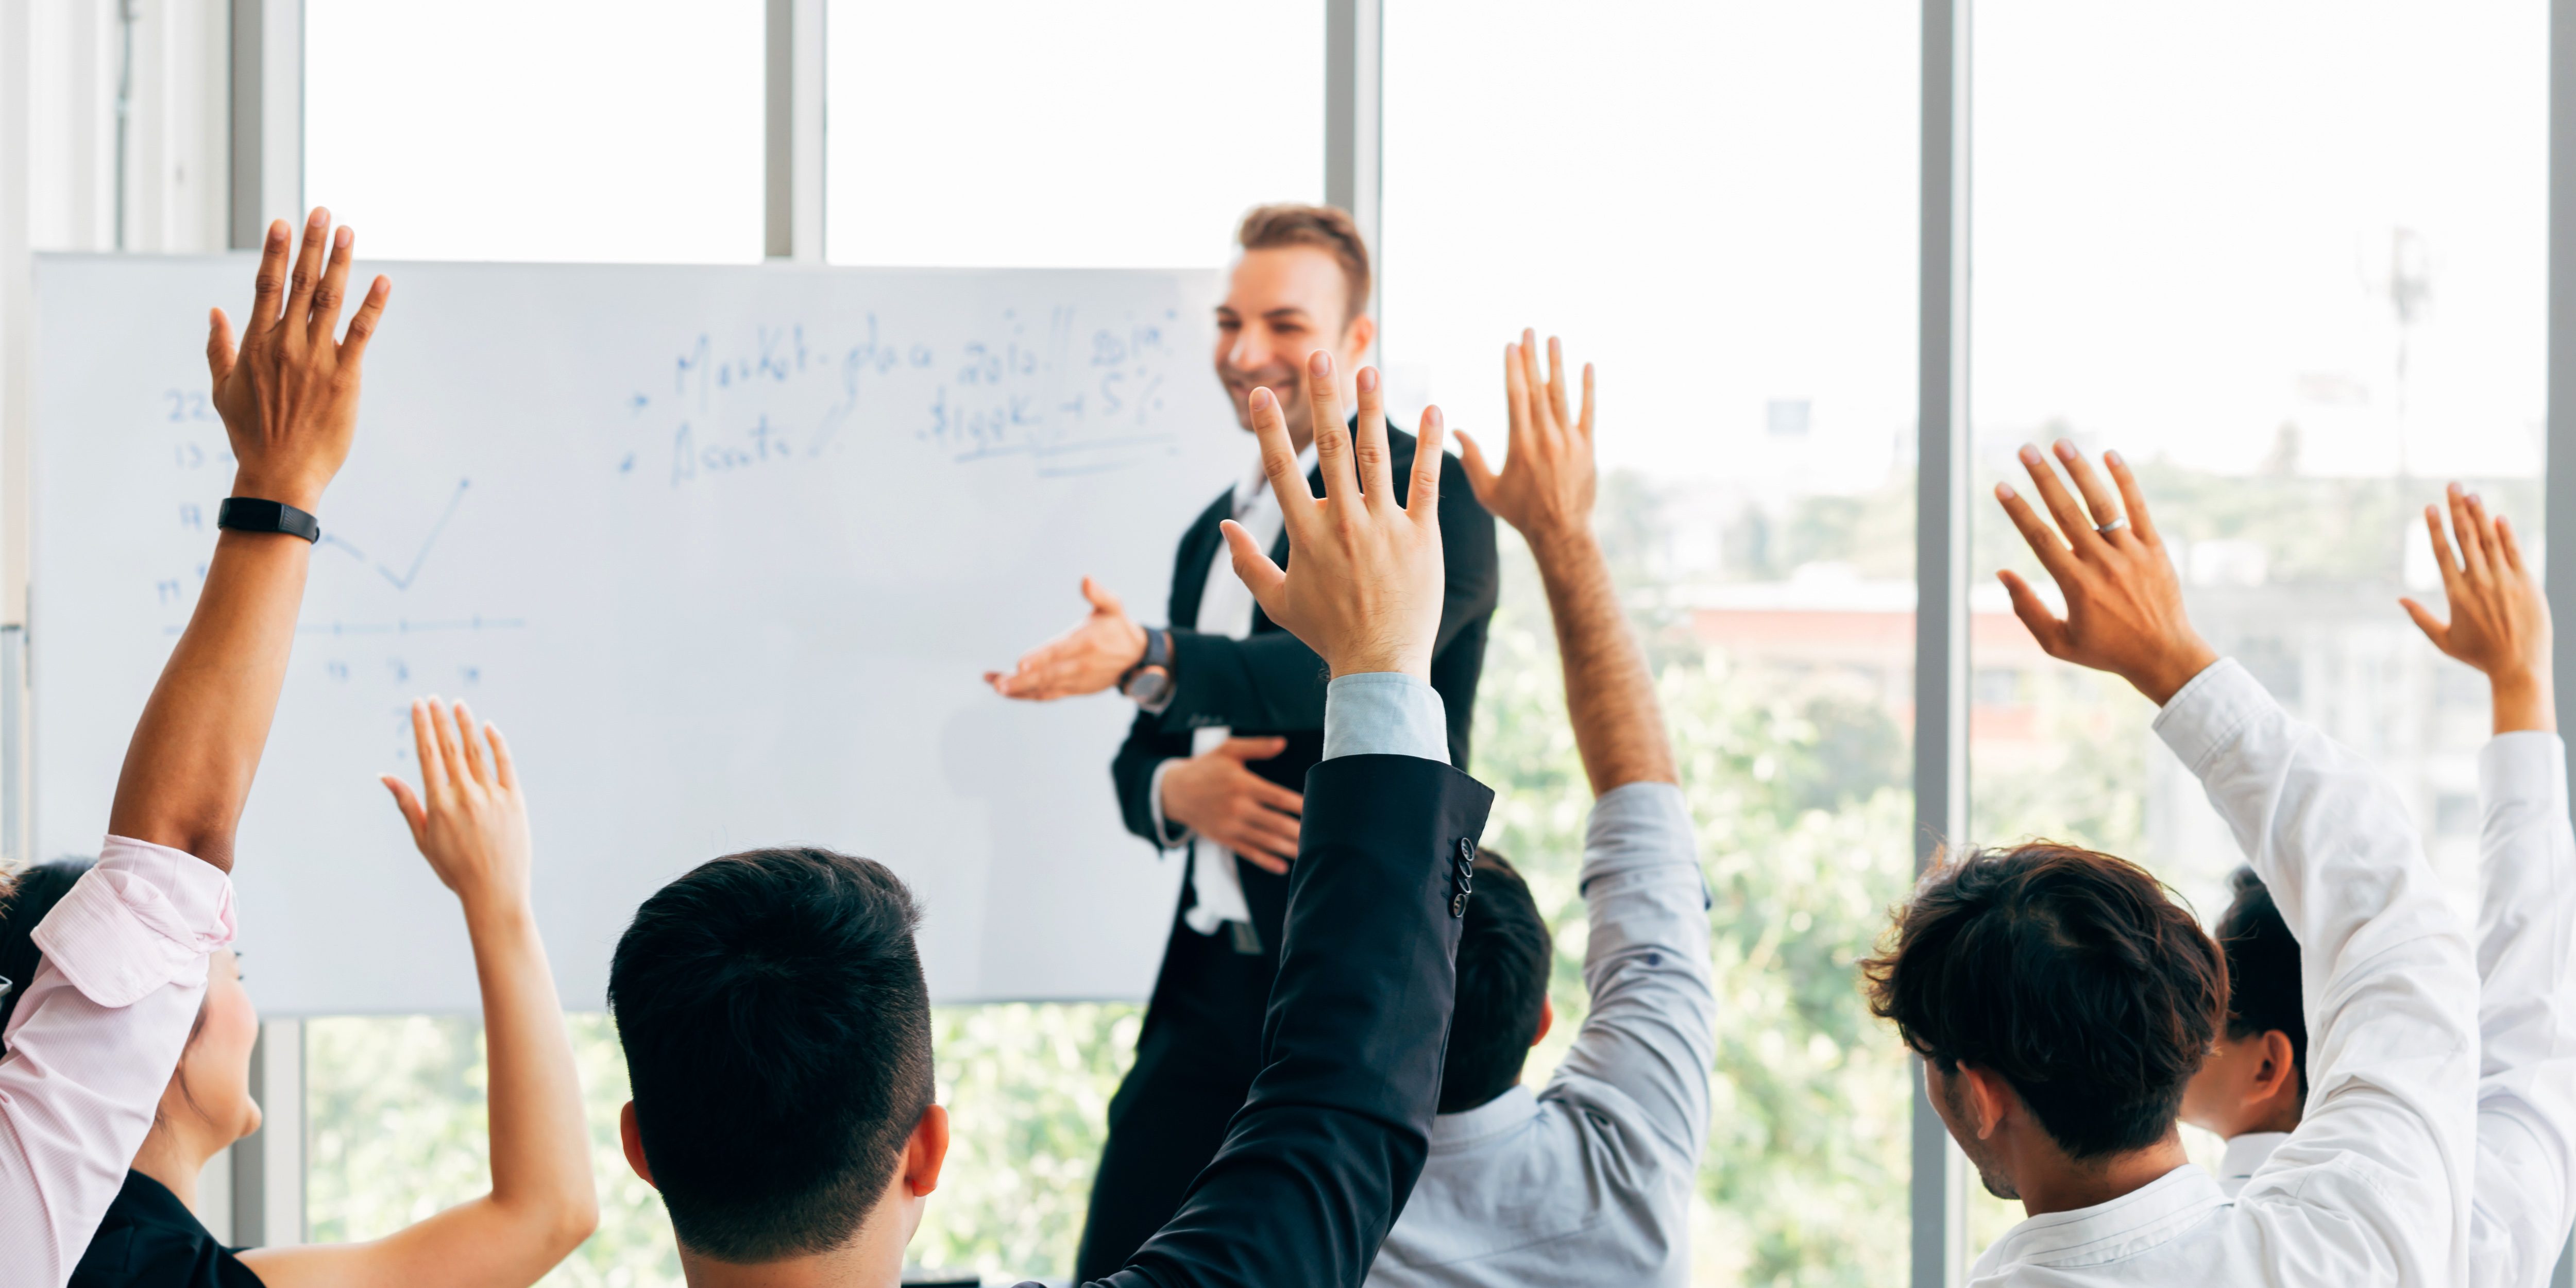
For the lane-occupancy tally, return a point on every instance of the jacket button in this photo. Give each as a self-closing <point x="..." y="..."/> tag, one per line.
<point x="1458" y="905"/>
<point x="1466" y="851"/>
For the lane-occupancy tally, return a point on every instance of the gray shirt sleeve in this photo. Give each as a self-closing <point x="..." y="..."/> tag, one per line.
<point x="1644" y="1051"/>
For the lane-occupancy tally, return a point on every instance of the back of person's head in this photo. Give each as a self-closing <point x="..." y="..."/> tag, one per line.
<point x="24" y="900"/>
<point x="1325" y="228"/>
<point x="2070" y="973"/>
<point x="1504" y="953"/>
<point x="2262" y="970"/>
<point x="777" y="1035"/>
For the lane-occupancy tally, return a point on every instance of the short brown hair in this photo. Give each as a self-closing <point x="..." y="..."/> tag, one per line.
<point x="2073" y="974"/>
<point x="1323" y="227"/>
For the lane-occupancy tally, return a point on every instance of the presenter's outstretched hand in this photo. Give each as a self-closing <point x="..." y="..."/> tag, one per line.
<point x="1090" y="657"/>
<point x="468" y="818"/>
<point x="1547" y="483"/>
<point x="288" y="391"/>
<point x="2124" y="611"/>
<point x="2499" y="619"/>
<point x="1365" y="588"/>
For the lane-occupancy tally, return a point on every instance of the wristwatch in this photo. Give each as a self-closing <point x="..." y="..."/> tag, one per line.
<point x="1150" y="680"/>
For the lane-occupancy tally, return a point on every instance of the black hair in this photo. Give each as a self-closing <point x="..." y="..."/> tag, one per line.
<point x="1504" y="952"/>
<point x="2262" y="970"/>
<point x="2073" y="974"/>
<point x="24" y="901"/>
<point x="777" y="1035"/>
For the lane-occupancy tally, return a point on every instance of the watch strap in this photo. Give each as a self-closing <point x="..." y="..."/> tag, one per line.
<point x="252" y="514"/>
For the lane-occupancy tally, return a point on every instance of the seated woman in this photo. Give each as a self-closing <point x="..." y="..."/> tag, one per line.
<point x="471" y="822"/>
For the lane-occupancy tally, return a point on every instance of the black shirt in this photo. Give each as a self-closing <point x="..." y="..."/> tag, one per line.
<point x="149" y="1239"/>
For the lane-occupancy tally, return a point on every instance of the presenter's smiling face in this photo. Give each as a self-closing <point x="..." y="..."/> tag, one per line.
<point x="1281" y="305"/>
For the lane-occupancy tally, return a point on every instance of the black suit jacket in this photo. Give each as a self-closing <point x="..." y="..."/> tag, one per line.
<point x="1272" y="684"/>
<point x="1327" y="1147"/>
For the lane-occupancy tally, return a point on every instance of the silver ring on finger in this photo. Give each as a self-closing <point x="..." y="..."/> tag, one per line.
<point x="2106" y="529"/>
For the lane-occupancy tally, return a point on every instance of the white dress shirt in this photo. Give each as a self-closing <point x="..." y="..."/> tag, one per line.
<point x="2246" y="1153"/>
<point x="2520" y="1205"/>
<point x="92" y="1044"/>
<point x="1589" y="1181"/>
<point x="1225" y="608"/>
<point x="2373" y="1187"/>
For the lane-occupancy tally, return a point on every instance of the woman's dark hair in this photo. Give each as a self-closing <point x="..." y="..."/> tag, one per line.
<point x="2073" y="974"/>
<point x="2262" y="970"/>
<point x="24" y="901"/>
<point x="1504" y="952"/>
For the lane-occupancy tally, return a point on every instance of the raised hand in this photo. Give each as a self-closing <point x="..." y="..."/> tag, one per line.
<point x="288" y="392"/>
<point x="1088" y="658"/>
<point x="2124" y="610"/>
<point x="2499" y="618"/>
<point x="469" y="818"/>
<point x="1546" y="486"/>
<point x="1365" y="592"/>
<point x="1215" y="795"/>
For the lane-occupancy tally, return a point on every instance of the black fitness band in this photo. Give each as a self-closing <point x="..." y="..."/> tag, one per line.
<point x="251" y="514"/>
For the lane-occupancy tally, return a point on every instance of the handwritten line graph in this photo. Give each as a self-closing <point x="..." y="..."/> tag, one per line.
<point x="403" y="580"/>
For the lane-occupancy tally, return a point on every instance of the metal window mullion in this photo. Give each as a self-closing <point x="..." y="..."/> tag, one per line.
<point x="792" y="195"/>
<point x="2559" y="487"/>
<point x="267" y="117"/>
<point x="1354" y="84"/>
<point x="1937" y="1192"/>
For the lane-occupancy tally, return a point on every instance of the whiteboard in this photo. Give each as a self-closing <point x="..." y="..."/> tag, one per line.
<point x="724" y="551"/>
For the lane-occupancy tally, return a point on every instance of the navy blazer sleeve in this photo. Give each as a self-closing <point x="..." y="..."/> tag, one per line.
<point x="1326" y="1148"/>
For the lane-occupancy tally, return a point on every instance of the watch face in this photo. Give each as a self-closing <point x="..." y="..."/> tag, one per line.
<point x="1149" y="684"/>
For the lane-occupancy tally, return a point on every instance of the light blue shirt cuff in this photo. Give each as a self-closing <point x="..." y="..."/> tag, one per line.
<point x="1384" y="713"/>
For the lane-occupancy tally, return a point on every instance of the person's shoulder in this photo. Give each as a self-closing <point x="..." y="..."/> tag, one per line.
<point x="148" y="1239"/>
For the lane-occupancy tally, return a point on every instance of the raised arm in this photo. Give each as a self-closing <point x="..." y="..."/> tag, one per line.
<point x="1545" y="491"/>
<point x="2387" y="1142"/>
<point x="2526" y="944"/>
<point x="1650" y="1033"/>
<point x="1333" y="1135"/>
<point x="96" y="1032"/>
<point x="289" y="400"/>
<point x="470" y="820"/>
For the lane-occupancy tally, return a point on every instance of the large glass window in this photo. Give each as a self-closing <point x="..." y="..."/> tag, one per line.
<point x="1716" y="203"/>
<point x="1092" y="134"/>
<point x="2289" y="259"/>
<point x="612" y="130"/>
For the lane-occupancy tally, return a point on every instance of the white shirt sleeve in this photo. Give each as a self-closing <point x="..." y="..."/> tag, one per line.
<point x="1384" y="713"/>
<point x="2527" y="1038"/>
<point x="92" y="1044"/>
<point x="1647" y="1043"/>
<point x="1165" y="835"/>
<point x="2381" y="1164"/>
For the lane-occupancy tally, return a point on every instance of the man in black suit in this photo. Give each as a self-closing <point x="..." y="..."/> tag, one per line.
<point x="777" y="1027"/>
<point x="1231" y="717"/>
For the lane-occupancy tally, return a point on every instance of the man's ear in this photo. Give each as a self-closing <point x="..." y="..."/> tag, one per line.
<point x="1989" y="1099"/>
<point x="2279" y="1070"/>
<point x="1356" y="339"/>
<point x="632" y="1137"/>
<point x="1546" y="1020"/>
<point x="926" y="1151"/>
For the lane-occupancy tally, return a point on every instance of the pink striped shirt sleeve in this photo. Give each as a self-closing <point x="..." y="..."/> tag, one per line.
<point x="92" y="1043"/>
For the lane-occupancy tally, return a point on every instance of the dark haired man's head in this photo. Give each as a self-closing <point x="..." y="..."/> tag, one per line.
<point x="1504" y="952"/>
<point x="2256" y="1077"/>
<point x="2061" y="998"/>
<point x="777" y="1035"/>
